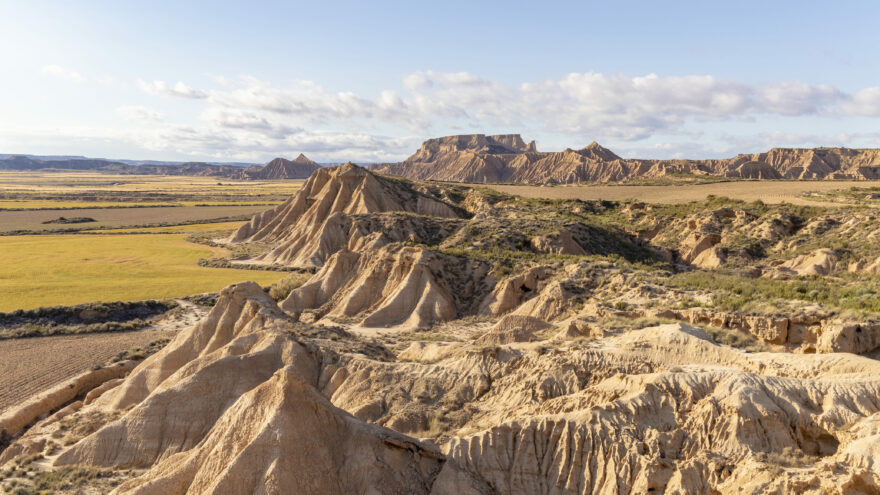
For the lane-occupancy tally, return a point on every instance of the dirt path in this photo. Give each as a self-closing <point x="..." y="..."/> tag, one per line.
<point x="766" y="191"/>
<point x="29" y="366"/>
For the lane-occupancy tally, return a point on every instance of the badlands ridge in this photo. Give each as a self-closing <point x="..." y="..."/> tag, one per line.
<point x="455" y="340"/>
<point x="478" y="158"/>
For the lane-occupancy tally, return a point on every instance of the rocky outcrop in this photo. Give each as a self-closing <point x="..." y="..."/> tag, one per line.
<point x="805" y="332"/>
<point x="819" y="262"/>
<point x="513" y="328"/>
<point x="282" y="436"/>
<point x="13" y="421"/>
<point x="321" y="218"/>
<point x="282" y="409"/>
<point x="393" y="286"/>
<point x="260" y="424"/>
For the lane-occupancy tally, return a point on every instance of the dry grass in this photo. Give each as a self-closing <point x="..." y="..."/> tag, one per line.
<point x="766" y="191"/>
<point x="50" y="270"/>
<point x="211" y="228"/>
<point x="109" y="218"/>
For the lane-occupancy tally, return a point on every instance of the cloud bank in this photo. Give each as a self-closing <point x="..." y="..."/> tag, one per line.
<point x="246" y="117"/>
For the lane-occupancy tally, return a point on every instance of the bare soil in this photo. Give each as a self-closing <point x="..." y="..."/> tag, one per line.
<point x="32" y="365"/>
<point x="34" y="220"/>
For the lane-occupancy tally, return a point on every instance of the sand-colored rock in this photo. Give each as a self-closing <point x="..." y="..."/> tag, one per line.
<point x="394" y="286"/>
<point x="658" y="409"/>
<point x="513" y="328"/>
<point x="512" y="291"/>
<point x="284" y="437"/>
<point x="550" y="304"/>
<point x="15" y="419"/>
<point x="561" y="243"/>
<point x="318" y="220"/>
<point x="819" y="262"/>
<point x="479" y="158"/>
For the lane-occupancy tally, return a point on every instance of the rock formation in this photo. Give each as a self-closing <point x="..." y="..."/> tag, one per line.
<point x="478" y="158"/>
<point x="282" y="408"/>
<point x="323" y="217"/>
<point x="392" y="286"/>
<point x="457" y="341"/>
<point x="280" y="168"/>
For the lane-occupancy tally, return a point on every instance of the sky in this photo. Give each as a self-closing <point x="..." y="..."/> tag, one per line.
<point x="369" y="81"/>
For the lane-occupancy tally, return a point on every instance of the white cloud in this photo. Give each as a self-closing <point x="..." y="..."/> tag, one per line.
<point x="180" y="89"/>
<point x="247" y="118"/>
<point x="865" y="102"/>
<point x="61" y="72"/>
<point x="591" y="104"/>
<point x="135" y="112"/>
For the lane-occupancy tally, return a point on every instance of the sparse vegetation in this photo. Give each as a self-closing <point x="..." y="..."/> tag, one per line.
<point x="141" y="352"/>
<point x="83" y="318"/>
<point x="281" y="289"/>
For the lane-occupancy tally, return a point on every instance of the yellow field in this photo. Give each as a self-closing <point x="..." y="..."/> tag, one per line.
<point x="43" y="204"/>
<point x="46" y="270"/>
<point x="767" y="191"/>
<point x="68" y="182"/>
<point x="189" y="229"/>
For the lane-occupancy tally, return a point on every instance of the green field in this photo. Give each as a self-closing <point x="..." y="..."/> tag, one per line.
<point x="47" y="270"/>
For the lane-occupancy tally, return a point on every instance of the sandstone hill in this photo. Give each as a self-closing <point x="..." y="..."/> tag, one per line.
<point x="336" y="209"/>
<point x="452" y="339"/>
<point x="478" y="158"/>
<point x="298" y="168"/>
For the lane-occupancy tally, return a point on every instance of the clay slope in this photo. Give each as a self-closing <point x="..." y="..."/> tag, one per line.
<point x="327" y="215"/>
<point x="478" y="158"/>
<point x="298" y="168"/>
<point x="393" y="286"/>
<point x="285" y="407"/>
<point x="260" y="424"/>
<point x="660" y="410"/>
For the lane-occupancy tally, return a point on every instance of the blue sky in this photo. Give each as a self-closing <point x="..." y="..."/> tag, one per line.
<point x="368" y="81"/>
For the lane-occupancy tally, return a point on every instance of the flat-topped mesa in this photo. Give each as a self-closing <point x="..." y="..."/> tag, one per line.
<point x="474" y="143"/>
<point x="319" y="219"/>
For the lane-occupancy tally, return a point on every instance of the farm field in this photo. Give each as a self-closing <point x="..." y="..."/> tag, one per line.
<point x="108" y="218"/>
<point x="31" y="365"/>
<point x="62" y="190"/>
<point x="173" y="229"/>
<point x="48" y="270"/>
<point x="766" y="191"/>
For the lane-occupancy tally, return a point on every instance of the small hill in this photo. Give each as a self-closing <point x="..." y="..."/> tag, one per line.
<point x="279" y="169"/>
<point x="325" y="216"/>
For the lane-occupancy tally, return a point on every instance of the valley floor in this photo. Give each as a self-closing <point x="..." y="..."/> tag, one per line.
<point x="776" y="191"/>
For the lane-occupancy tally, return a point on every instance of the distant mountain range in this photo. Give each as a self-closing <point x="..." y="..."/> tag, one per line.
<point x="279" y="168"/>
<point x="479" y="158"/>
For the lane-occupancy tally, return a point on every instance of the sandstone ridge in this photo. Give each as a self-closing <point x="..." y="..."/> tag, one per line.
<point x="478" y="158"/>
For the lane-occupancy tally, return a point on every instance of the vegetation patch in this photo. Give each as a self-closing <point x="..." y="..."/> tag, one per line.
<point x="71" y="220"/>
<point x="83" y="318"/>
